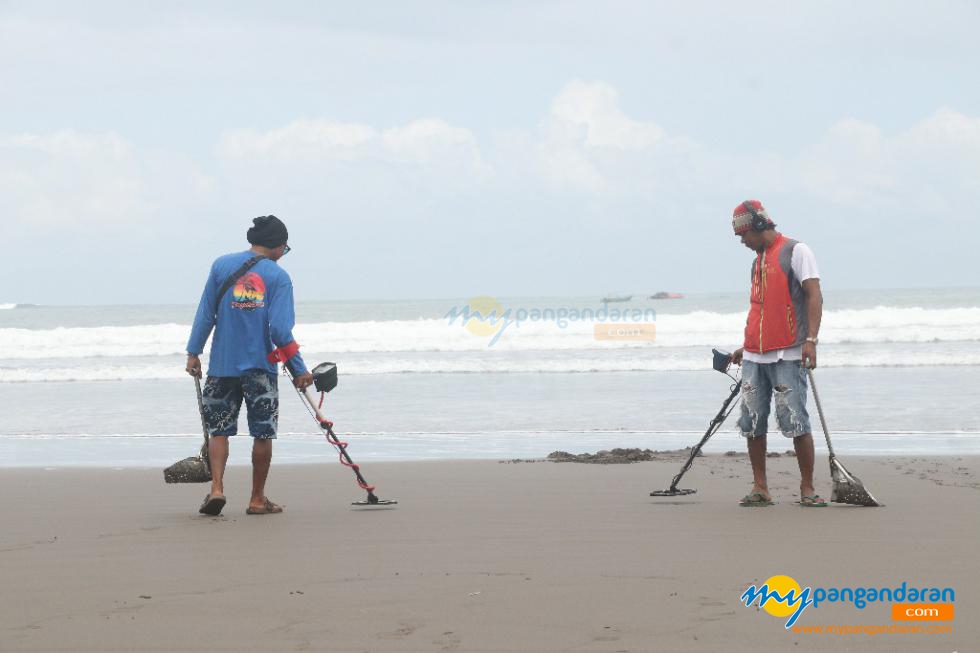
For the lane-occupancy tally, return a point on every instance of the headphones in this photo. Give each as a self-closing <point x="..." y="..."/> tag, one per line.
<point x="759" y="221"/>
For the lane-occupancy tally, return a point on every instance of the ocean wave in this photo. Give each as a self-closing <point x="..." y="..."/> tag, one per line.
<point x="692" y="360"/>
<point x="700" y="328"/>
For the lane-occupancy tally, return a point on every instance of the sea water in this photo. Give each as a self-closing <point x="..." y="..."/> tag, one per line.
<point x="104" y="385"/>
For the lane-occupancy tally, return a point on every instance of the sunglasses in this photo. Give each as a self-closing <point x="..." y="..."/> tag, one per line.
<point x="286" y="249"/>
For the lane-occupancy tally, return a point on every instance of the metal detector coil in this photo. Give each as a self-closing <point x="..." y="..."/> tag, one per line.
<point x="672" y="493"/>
<point x="325" y="377"/>
<point x="376" y="502"/>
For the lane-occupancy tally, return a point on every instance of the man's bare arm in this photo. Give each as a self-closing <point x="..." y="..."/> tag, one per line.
<point x="813" y="304"/>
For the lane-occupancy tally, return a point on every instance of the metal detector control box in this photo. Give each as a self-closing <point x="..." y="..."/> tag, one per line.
<point x="720" y="360"/>
<point x="325" y="377"/>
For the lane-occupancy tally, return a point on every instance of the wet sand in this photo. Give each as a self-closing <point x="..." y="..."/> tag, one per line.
<point x="478" y="556"/>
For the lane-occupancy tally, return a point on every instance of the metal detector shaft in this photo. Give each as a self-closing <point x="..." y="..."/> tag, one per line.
<point x="712" y="429"/>
<point x="327" y="426"/>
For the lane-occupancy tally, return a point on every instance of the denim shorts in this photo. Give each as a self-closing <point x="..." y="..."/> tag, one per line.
<point x="223" y="397"/>
<point x="787" y="381"/>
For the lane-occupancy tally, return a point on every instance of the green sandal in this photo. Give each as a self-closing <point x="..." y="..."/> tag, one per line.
<point x="813" y="501"/>
<point x="755" y="500"/>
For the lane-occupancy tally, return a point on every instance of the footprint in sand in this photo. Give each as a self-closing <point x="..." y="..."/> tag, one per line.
<point x="449" y="641"/>
<point x="711" y="609"/>
<point x="609" y="634"/>
<point x="405" y="631"/>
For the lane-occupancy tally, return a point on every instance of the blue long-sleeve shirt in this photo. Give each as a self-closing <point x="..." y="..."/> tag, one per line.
<point x="254" y="317"/>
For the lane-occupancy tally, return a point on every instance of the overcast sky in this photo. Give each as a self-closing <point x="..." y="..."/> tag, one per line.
<point x="451" y="149"/>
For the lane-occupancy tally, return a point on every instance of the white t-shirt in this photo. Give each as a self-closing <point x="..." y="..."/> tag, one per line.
<point x="804" y="265"/>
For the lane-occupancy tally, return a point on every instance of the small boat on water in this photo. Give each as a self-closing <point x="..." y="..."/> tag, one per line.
<point x="666" y="295"/>
<point x="610" y="297"/>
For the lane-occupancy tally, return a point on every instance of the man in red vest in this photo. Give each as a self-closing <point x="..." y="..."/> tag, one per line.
<point x="780" y="344"/>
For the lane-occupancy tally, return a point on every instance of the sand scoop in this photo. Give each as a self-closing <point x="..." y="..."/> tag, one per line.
<point x="196" y="469"/>
<point x="847" y="488"/>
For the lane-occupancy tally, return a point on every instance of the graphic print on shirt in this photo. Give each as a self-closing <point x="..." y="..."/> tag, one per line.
<point x="249" y="292"/>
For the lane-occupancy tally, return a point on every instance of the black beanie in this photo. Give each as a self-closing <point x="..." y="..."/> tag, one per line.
<point x="269" y="231"/>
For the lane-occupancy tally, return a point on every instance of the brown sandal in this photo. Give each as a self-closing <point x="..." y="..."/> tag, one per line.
<point x="268" y="508"/>
<point x="212" y="505"/>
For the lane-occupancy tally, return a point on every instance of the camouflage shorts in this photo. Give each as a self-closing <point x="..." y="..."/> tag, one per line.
<point x="223" y="400"/>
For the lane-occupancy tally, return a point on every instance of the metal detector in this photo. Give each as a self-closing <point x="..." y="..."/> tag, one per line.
<point x="721" y="361"/>
<point x="325" y="380"/>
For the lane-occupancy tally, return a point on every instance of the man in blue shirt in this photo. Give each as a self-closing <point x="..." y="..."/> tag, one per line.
<point x="252" y="321"/>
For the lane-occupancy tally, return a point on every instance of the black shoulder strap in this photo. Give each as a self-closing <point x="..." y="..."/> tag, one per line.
<point x="235" y="276"/>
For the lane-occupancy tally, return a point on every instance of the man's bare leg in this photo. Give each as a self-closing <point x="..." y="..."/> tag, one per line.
<point x="805" y="456"/>
<point x="218" y="453"/>
<point x="261" y="461"/>
<point x="757" y="456"/>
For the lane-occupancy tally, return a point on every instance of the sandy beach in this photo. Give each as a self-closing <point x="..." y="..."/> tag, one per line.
<point x="477" y="556"/>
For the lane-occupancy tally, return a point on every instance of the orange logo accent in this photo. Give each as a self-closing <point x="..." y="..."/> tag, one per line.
<point x="625" y="332"/>
<point x="922" y="611"/>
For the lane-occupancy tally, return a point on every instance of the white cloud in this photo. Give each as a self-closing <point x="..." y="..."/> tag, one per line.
<point x="585" y="144"/>
<point x="68" y="177"/>
<point x="589" y="113"/>
<point x="849" y="165"/>
<point x="568" y="166"/>
<point x="948" y="128"/>
<point x="302" y="139"/>
<point x="585" y="137"/>
<point x="588" y="144"/>
<point x="948" y="144"/>
<point x="934" y="165"/>
<point x="425" y="142"/>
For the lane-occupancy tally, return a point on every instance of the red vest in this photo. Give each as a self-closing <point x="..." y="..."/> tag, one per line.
<point x="777" y="316"/>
